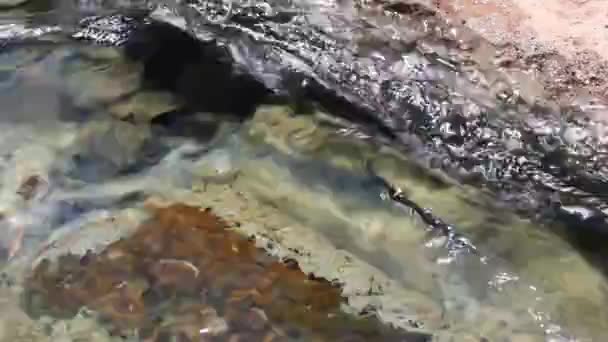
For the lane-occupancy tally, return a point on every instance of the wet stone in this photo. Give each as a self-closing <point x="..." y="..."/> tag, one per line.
<point x="11" y="3"/>
<point x="143" y="106"/>
<point x="185" y="275"/>
<point x="107" y="148"/>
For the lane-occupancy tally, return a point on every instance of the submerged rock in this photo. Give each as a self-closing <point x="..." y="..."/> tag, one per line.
<point x="144" y="106"/>
<point x="97" y="77"/>
<point x="11" y="3"/>
<point x="186" y="274"/>
<point x="108" y="148"/>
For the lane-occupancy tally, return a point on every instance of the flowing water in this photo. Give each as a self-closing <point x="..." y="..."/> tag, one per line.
<point x="435" y="195"/>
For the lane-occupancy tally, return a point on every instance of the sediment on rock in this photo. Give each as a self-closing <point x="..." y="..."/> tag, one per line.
<point x="562" y="41"/>
<point x="187" y="274"/>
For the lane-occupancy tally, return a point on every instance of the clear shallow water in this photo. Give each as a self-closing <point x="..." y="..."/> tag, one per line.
<point x="289" y="179"/>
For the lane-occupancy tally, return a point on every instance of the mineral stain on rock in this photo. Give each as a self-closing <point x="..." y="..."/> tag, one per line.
<point x="186" y="276"/>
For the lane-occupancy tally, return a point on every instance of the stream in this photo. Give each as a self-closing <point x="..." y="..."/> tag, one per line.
<point x="289" y="170"/>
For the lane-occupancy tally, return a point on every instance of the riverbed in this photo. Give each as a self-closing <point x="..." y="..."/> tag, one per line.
<point x="125" y="221"/>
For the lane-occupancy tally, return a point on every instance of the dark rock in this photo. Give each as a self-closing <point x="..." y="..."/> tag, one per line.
<point x="203" y="73"/>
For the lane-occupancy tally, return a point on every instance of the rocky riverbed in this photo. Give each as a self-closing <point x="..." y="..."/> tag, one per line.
<point x="129" y="215"/>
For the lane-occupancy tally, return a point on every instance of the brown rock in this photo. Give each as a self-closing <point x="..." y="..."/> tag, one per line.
<point x="186" y="268"/>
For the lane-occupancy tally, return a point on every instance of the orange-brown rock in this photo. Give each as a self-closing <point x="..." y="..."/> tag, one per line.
<point x="186" y="274"/>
